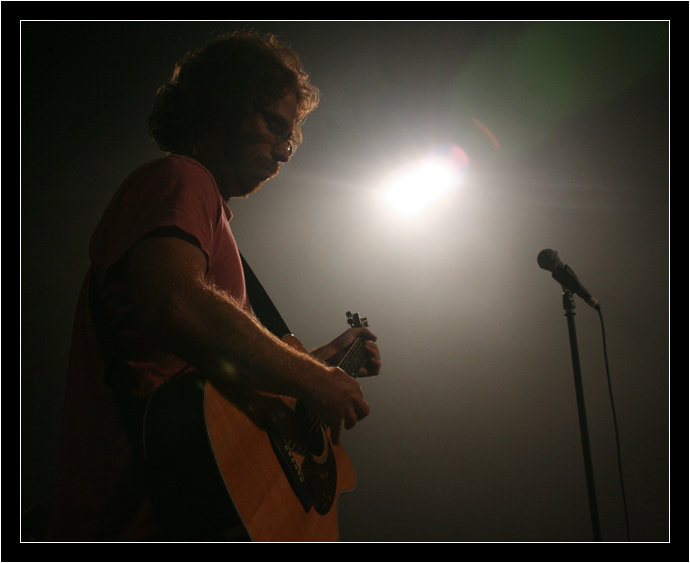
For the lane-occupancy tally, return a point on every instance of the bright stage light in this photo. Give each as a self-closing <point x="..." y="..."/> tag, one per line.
<point x="415" y="189"/>
<point x="420" y="185"/>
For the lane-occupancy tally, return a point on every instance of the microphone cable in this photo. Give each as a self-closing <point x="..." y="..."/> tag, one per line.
<point x="615" y="426"/>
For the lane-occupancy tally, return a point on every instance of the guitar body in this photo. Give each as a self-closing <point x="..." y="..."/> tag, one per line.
<point x="228" y="463"/>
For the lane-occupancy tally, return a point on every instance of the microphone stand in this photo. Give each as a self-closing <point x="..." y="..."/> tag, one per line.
<point x="569" y="307"/>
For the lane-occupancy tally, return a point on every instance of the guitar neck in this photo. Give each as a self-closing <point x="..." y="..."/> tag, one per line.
<point x="354" y="359"/>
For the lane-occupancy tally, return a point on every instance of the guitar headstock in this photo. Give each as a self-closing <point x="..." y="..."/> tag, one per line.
<point x="355" y="321"/>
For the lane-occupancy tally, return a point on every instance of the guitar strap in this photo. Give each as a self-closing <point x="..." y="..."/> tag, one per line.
<point x="261" y="303"/>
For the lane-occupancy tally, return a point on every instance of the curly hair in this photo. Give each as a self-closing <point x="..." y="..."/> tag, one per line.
<point x="214" y="90"/>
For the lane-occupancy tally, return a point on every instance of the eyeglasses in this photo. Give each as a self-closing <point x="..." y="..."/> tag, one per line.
<point x="279" y="128"/>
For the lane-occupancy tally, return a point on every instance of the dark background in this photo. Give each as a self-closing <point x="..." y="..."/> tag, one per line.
<point x="473" y="434"/>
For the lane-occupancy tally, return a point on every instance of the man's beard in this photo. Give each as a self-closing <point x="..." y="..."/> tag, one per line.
<point x="245" y="172"/>
<point x="247" y="189"/>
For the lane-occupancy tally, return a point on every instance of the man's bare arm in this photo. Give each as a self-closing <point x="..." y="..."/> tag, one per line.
<point x="206" y="327"/>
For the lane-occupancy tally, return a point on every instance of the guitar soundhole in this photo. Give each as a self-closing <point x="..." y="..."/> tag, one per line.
<point x="311" y="431"/>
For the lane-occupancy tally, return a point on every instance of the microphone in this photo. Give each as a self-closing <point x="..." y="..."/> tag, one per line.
<point x="548" y="260"/>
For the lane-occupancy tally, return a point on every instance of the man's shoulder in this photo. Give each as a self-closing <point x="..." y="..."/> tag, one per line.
<point x="171" y="179"/>
<point x="171" y="174"/>
<point x="174" y="165"/>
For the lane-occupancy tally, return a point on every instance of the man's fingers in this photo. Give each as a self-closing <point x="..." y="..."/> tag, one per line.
<point x="362" y="410"/>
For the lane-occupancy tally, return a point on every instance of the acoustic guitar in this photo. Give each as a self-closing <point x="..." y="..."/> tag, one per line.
<point x="238" y="464"/>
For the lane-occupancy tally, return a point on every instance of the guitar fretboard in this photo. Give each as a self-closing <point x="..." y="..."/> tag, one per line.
<point x="354" y="359"/>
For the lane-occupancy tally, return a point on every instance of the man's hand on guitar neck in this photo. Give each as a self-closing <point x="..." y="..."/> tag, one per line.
<point x="339" y="401"/>
<point x="333" y="352"/>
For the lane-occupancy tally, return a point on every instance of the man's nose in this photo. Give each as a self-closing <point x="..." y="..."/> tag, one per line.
<point x="282" y="152"/>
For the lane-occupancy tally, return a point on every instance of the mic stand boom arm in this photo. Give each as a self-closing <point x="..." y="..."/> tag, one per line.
<point x="569" y="307"/>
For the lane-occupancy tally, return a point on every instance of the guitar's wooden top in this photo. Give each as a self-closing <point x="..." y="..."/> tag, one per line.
<point x="253" y="475"/>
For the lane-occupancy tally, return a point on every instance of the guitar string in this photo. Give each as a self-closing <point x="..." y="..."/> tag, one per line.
<point x="354" y="359"/>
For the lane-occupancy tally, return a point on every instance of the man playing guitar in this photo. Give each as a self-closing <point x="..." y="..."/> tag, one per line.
<point x="166" y="280"/>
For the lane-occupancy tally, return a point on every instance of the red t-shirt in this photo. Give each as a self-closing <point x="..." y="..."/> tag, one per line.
<point x="99" y="493"/>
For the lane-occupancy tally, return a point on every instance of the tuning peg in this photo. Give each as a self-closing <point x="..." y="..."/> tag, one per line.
<point x="355" y="320"/>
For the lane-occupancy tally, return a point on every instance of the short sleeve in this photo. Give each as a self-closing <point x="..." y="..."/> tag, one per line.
<point x="168" y="192"/>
